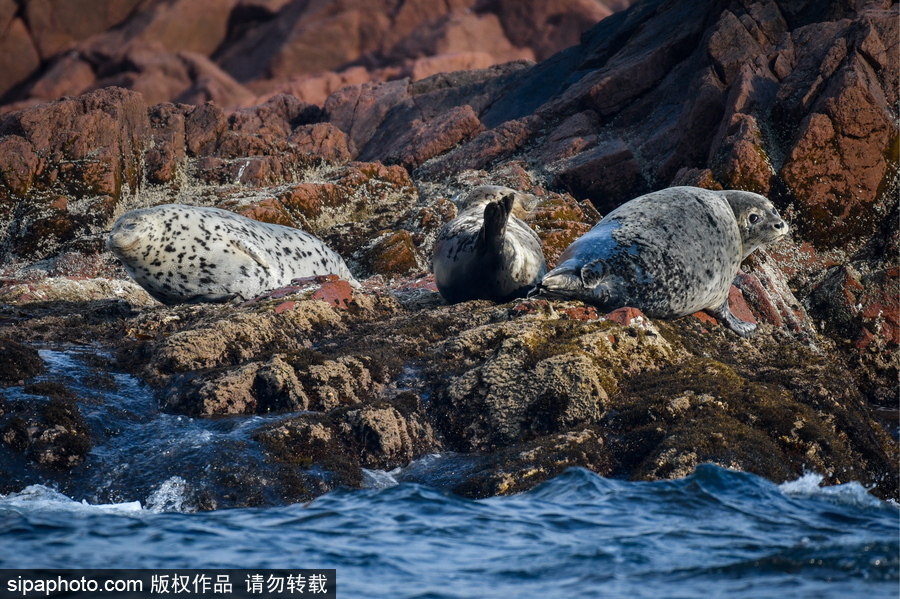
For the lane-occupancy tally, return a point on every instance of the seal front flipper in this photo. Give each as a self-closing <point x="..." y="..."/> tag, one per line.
<point x="251" y="251"/>
<point x="723" y="314"/>
<point x="496" y="215"/>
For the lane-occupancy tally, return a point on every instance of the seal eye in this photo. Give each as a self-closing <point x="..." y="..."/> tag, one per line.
<point x="754" y="218"/>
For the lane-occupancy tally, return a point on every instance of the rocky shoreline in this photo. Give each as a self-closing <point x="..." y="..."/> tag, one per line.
<point x="801" y="108"/>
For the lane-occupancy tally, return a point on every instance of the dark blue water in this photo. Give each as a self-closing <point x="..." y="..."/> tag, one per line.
<point x="716" y="533"/>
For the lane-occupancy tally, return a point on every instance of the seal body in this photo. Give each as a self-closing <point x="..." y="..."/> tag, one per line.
<point x="183" y="254"/>
<point x="669" y="253"/>
<point x="486" y="252"/>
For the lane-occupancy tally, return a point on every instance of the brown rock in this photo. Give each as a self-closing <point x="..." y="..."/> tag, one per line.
<point x="323" y="140"/>
<point x="69" y="75"/>
<point x="559" y="220"/>
<point x="58" y="24"/>
<point x="428" y="66"/>
<point x="863" y="307"/>
<point x="485" y="148"/>
<point x="268" y="210"/>
<point x="177" y="26"/>
<point x="203" y="126"/>
<point x="461" y="31"/>
<point x="166" y="158"/>
<point x="18" y="362"/>
<point x="731" y="47"/>
<point x="359" y="110"/>
<point x="839" y="162"/>
<point x="573" y="136"/>
<point x="18" y="55"/>
<point x="741" y="162"/>
<point x="547" y="26"/>
<point x="426" y="140"/>
<point x="621" y="178"/>
<point x="89" y="147"/>
<point x="383" y="436"/>
<point x="393" y="254"/>
<point x="18" y="165"/>
<point x="209" y="83"/>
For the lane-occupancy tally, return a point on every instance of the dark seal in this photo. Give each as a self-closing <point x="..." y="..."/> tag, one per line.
<point x="486" y="252"/>
<point x="183" y="254"/>
<point x="669" y="253"/>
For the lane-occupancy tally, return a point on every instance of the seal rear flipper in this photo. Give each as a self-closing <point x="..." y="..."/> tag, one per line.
<point x="724" y="315"/>
<point x="496" y="215"/>
<point x="253" y="252"/>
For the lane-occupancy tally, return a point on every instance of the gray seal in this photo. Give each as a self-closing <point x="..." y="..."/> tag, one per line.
<point x="669" y="253"/>
<point x="486" y="252"/>
<point x="184" y="254"/>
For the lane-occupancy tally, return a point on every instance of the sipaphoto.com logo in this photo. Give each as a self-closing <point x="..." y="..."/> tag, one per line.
<point x="60" y="585"/>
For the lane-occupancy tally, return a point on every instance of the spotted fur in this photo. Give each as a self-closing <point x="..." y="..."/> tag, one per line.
<point x="486" y="252"/>
<point x="183" y="254"/>
<point x="669" y="253"/>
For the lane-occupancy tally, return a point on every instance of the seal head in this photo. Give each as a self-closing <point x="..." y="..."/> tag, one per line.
<point x="487" y="252"/>
<point x="183" y="254"/>
<point x="669" y="253"/>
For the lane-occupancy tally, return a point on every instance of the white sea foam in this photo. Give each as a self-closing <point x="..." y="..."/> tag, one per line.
<point x="35" y="498"/>
<point x="169" y="497"/>
<point x="810" y="485"/>
<point x="381" y="479"/>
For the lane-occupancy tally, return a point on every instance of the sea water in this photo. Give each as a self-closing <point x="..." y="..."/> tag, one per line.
<point x="715" y="533"/>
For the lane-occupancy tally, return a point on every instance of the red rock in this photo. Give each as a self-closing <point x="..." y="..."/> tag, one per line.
<point x="628" y="317"/>
<point x="285" y="306"/>
<point x="739" y="305"/>
<point x="274" y="118"/>
<point x="731" y="47"/>
<point x="579" y="313"/>
<point x="705" y="319"/>
<point x="337" y="293"/>
<point x="865" y="340"/>
<point x="839" y="161"/>
<point x="753" y="289"/>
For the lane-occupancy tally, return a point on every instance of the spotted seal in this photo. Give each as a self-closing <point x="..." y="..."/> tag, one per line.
<point x="669" y="253"/>
<point x="486" y="252"/>
<point x="183" y="254"/>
